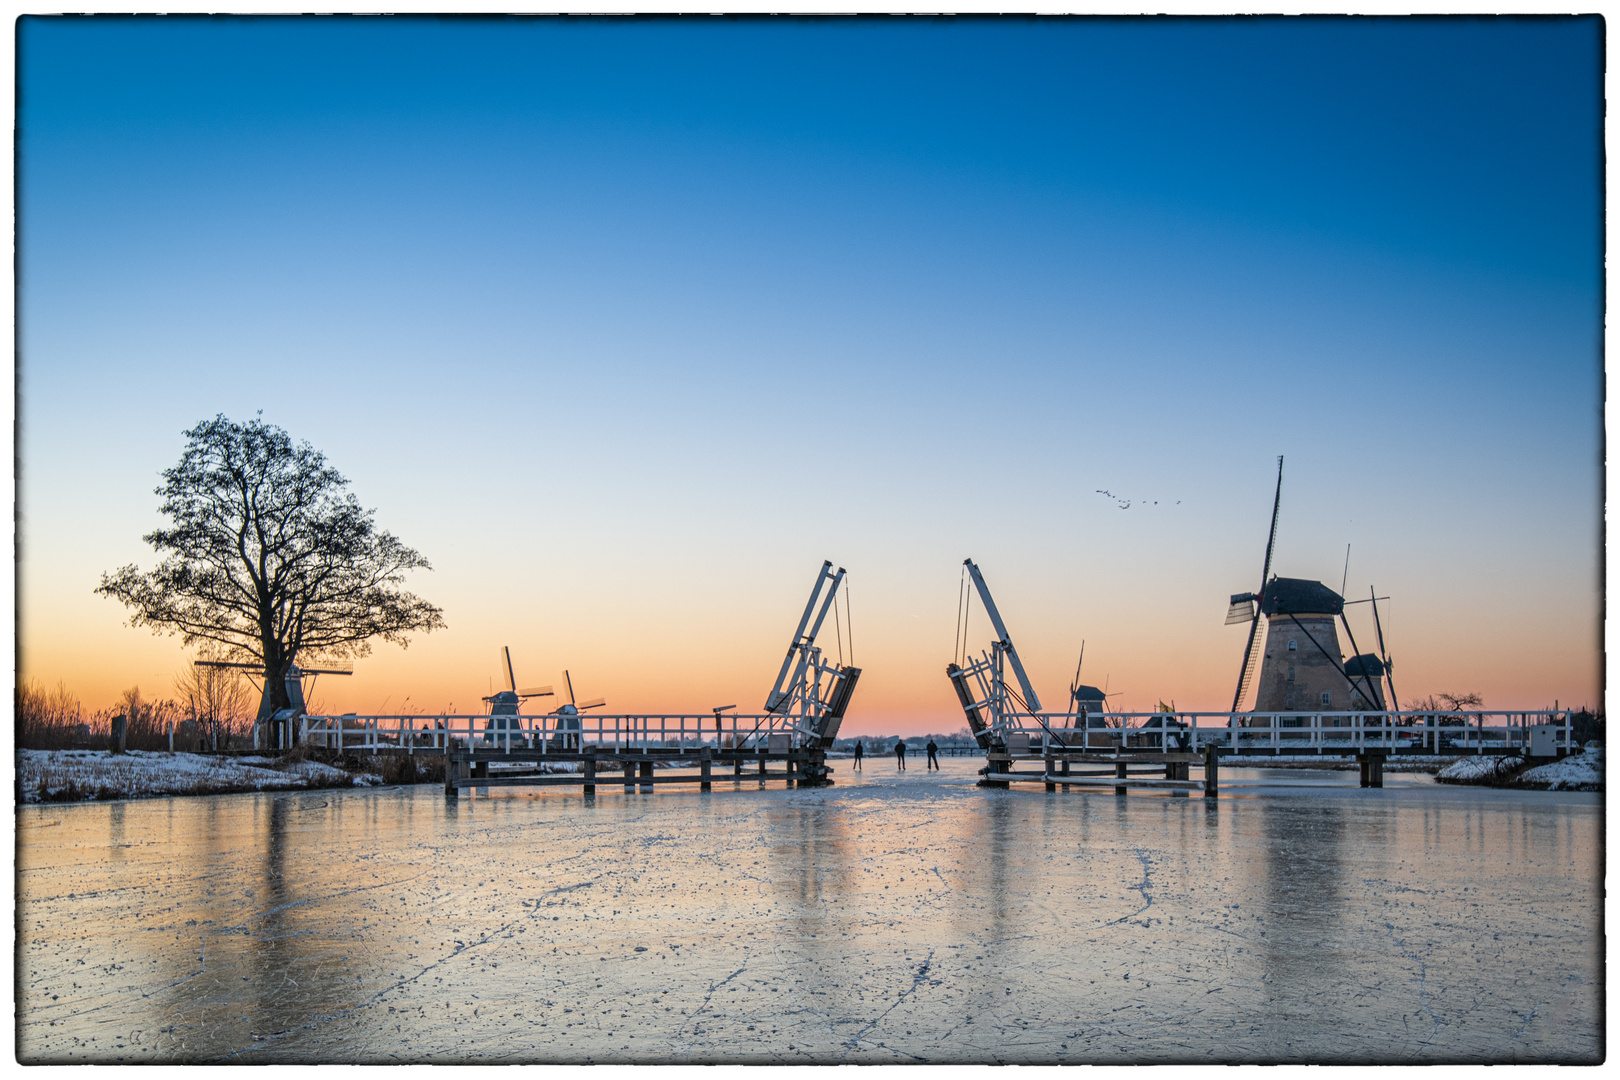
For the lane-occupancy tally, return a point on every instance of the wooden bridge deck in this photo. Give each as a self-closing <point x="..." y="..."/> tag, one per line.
<point x="645" y="768"/>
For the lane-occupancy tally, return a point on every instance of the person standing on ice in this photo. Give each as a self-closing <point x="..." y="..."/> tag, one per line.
<point x="900" y="754"/>
<point x="933" y="754"/>
<point x="860" y="752"/>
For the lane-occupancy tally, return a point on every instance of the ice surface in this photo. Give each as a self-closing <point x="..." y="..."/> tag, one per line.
<point x="891" y="918"/>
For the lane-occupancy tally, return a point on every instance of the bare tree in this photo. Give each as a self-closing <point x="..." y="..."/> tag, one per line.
<point x="216" y="699"/>
<point x="1449" y="709"/>
<point x="1443" y="702"/>
<point x="269" y="558"/>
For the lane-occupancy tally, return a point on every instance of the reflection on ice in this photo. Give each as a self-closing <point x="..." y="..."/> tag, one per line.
<point x="886" y="919"/>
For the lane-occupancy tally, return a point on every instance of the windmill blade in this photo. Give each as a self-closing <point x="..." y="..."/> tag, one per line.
<point x="594" y="703"/>
<point x="1271" y="541"/>
<point x="1394" y="702"/>
<point x="1356" y="650"/>
<point x="1250" y="660"/>
<point x="1249" y="656"/>
<point x="506" y="657"/>
<point x="570" y="680"/>
<point x="1074" y="687"/>
<point x="535" y="691"/>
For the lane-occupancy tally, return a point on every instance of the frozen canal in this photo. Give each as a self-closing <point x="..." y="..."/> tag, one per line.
<point x="891" y="919"/>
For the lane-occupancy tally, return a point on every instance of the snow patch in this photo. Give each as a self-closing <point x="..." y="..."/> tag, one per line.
<point x="70" y="775"/>
<point x="1577" y="772"/>
<point x="1481" y="769"/>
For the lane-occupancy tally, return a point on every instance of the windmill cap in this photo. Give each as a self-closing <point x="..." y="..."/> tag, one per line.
<point x="1089" y="693"/>
<point x="1365" y="664"/>
<point x="1296" y="596"/>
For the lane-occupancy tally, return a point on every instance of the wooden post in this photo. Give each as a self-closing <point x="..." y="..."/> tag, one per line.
<point x="629" y="777"/>
<point x="120" y="733"/>
<point x="703" y="785"/>
<point x="1119" y="774"/>
<point x="590" y="770"/>
<point x="647" y="775"/>
<point x="1212" y="772"/>
<point x="452" y="768"/>
<point x="788" y="768"/>
<point x="1376" y="771"/>
<point x="1046" y="768"/>
<point x="171" y="736"/>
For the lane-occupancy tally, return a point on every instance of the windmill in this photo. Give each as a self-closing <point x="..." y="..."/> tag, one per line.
<point x="294" y="677"/>
<point x="1086" y="703"/>
<point x="1294" y="677"/>
<point x="504" y="705"/>
<point x="574" y="708"/>
<point x="569" y="726"/>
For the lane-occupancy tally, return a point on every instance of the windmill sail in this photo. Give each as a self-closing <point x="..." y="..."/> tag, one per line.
<point x="1242" y="609"/>
<point x="1383" y="654"/>
<point x="1250" y="656"/>
<point x="1251" y="660"/>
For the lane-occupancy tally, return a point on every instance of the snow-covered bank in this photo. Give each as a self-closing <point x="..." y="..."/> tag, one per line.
<point x="1482" y="769"/>
<point x="75" y="775"/>
<point x="1577" y="772"/>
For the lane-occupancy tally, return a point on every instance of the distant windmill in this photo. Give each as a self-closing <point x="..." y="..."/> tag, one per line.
<point x="506" y="703"/>
<point x="1087" y="703"/>
<point x="295" y="680"/>
<point x="573" y="708"/>
<point x="569" y="726"/>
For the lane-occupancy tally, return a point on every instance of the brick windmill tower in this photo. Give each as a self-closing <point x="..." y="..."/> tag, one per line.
<point x="1302" y="668"/>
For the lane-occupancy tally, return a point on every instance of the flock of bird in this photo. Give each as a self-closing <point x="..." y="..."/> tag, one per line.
<point x="1125" y="504"/>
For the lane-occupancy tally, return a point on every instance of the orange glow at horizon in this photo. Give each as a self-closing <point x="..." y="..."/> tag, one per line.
<point x="687" y="656"/>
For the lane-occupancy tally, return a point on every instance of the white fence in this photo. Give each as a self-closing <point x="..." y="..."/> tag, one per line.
<point x="554" y="734"/>
<point x="1284" y="733"/>
<point x="1289" y="733"/>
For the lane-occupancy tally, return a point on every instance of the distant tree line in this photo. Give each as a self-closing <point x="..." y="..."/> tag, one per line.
<point x="213" y="709"/>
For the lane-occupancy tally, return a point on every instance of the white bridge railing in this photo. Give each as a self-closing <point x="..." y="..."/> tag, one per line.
<point x="429" y="734"/>
<point x="1294" y="732"/>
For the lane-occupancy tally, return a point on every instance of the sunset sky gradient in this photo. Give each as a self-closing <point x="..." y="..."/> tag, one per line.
<point x="627" y="325"/>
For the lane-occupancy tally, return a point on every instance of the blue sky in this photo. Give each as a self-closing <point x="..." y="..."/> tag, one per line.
<point x="626" y="325"/>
